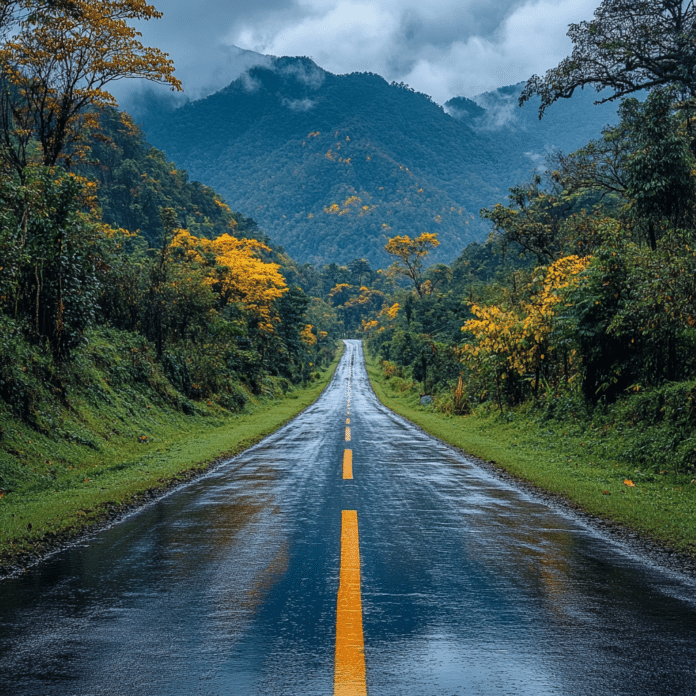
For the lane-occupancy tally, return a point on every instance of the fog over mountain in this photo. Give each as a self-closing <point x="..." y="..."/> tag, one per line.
<point x="332" y="165"/>
<point x="441" y="48"/>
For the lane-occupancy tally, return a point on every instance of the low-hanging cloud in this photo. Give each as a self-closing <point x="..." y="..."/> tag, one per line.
<point x="299" y="104"/>
<point x="444" y="48"/>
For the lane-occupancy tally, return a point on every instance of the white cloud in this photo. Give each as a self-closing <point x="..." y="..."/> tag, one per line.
<point x="404" y="42"/>
<point x="299" y="104"/>
<point x="531" y="40"/>
<point x="346" y="37"/>
<point x="444" y="48"/>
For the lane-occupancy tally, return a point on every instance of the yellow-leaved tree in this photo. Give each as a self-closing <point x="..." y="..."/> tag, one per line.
<point x="235" y="273"/>
<point x="57" y="61"/>
<point x="516" y="338"/>
<point x="411" y="254"/>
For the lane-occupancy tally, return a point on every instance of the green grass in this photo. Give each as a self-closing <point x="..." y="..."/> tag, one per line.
<point x="110" y="449"/>
<point x="567" y="458"/>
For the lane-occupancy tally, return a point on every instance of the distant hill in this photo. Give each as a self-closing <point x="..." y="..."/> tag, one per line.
<point x="567" y="125"/>
<point x="331" y="165"/>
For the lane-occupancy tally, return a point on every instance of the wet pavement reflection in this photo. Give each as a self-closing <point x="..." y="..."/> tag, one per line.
<point x="229" y="585"/>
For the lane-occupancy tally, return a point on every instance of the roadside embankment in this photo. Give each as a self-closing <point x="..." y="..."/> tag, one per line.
<point x="115" y="449"/>
<point x="570" y="462"/>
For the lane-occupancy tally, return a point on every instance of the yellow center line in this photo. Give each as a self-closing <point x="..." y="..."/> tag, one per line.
<point x="348" y="464"/>
<point x="347" y="420"/>
<point x="347" y="434"/>
<point x="349" y="674"/>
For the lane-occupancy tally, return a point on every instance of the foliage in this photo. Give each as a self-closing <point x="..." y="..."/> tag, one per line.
<point x="58" y="59"/>
<point x="630" y="45"/>
<point x="411" y="255"/>
<point x="235" y="273"/>
<point x="659" y="178"/>
<point x="52" y="250"/>
<point x="515" y="341"/>
<point x="534" y="219"/>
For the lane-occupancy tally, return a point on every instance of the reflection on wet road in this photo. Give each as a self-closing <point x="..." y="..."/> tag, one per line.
<point x="231" y="585"/>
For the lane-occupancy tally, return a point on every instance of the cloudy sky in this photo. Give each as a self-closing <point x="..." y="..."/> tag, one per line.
<point x="444" y="48"/>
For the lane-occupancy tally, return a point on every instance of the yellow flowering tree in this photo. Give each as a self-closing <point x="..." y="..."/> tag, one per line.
<point x="516" y="338"/>
<point x="236" y="273"/>
<point x="59" y="58"/>
<point x="411" y="255"/>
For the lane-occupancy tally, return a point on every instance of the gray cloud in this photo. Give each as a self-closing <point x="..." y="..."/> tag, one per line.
<point x="443" y="48"/>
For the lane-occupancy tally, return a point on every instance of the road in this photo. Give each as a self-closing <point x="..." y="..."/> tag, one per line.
<point x="274" y="574"/>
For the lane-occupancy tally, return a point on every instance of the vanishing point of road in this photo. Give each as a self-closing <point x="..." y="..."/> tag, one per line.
<point x="348" y="553"/>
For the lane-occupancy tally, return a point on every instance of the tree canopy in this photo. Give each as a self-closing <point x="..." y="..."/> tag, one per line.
<point x="411" y="255"/>
<point x="629" y="46"/>
<point x="58" y="60"/>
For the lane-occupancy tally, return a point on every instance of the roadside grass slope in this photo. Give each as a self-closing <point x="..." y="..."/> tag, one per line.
<point x="571" y="458"/>
<point x="116" y="443"/>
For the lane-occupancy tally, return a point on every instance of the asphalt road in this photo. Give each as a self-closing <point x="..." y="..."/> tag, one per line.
<point x="274" y="574"/>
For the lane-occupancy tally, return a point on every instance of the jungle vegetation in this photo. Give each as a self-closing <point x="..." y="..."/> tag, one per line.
<point x="119" y="278"/>
<point x="581" y="305"/>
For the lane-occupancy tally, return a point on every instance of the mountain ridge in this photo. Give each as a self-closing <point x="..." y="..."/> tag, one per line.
<point x="332" y="165"/>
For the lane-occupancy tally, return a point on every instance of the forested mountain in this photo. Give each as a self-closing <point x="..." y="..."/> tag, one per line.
<point x="332" y="165"/>
<point x="565" y="127"/>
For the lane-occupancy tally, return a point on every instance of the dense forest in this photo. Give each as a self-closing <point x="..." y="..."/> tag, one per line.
<point x="581" y="305"/>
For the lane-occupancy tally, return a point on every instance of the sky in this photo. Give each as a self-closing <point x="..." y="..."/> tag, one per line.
<point x="444" y="48"/>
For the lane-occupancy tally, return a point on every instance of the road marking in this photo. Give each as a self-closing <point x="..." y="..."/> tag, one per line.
<point x="349" y="674"/>
<point x="347" y="434"/>
<point x="347" y="464"/>
<point x="347" y="420"/>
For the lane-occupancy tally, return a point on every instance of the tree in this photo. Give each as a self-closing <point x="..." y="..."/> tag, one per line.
<point x="533" y="220"/>
<point x="236" y="274"/>
<point x="659" y="172"/>
<point x="58" y="60"/>
<point x="51" y="247"/>
<point x="411" y="254"/>
<point x="292" y="357"/>
<point x="360" y="268"/>
<point x="515" y="339"/>
<point x="630" y="45"/>
<point x="159" y="310"/>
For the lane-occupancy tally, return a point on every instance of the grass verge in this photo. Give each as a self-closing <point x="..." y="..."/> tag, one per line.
<point x="114" y="453"/>
<point x="566" y="458"/>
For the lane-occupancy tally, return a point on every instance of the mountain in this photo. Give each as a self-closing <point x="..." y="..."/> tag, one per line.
<point x="331" y="165"/>
<point x="566" y="126"/>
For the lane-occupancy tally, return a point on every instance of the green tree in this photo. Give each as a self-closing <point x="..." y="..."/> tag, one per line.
<point x="534" y="220"/>
<point x="159" y="310"/>
<point x="659" y="178"/>
<point x="630" y="45"/>
<point x="54" y="246"/>
<point x="411" y="255"/>
<point x="361" y="271"/>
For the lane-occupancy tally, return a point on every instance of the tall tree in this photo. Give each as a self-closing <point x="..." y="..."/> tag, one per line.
<point x="659" y="171"/>
<point x="630" y="45"/>
<point x="58" y="60"/>
<point x="411" y="255"/>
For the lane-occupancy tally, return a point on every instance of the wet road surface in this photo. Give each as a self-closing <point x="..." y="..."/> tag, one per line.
<point x="464" y="584"/>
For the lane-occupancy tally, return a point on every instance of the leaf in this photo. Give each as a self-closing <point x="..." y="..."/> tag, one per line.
<point x="628" y="482"/>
